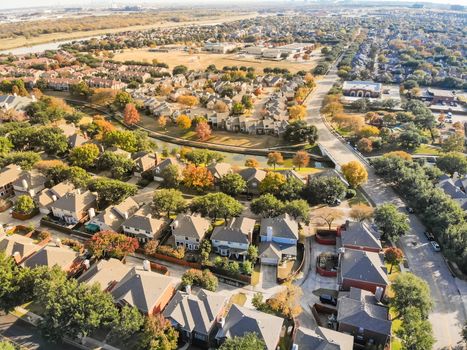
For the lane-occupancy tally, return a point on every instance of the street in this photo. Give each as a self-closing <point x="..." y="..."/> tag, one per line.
<point x="448" y="315"/>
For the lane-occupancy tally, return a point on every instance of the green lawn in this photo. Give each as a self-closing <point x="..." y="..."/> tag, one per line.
<point x="427" y="149"/>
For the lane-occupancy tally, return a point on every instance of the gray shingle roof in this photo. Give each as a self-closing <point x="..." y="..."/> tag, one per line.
<point x="238" y="230"/>
<point x="75" y="202"/>
<point x="360" y="234"/>
<point x="363" y="266"/>
<point x="50" y="255"/>
<point x="249" y="174"/>
<point x="282" y="226"/>
<point x="17" y="243"/>
<point x="105" y="273"/>
<point x="322" y="339"/>
<point x="9" y="174"/>
<point x="194" y="226"/>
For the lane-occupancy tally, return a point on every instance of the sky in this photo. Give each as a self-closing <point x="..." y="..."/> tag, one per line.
<point x="88" y="3"/>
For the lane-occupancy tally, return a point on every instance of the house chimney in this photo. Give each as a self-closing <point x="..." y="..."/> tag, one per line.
<point x="146" y="265"/>
<point x="17" y="257"/>
<point x="54" y="197"/>
<point x="78" y="191"/>
<point x="86" y="264"/>
<point x="379" y="294"/>
<point x="24" y="183"/>
<point x="222" y="322"/>
<point x="91" y="213"/>
<point x="125" y="215"/>
<point x="269" y="234"/>
<point x="58" y="242"/>
<point x="188" y="289"/>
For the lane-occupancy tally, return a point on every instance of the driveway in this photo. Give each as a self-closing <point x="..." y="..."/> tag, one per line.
<point x="268" y="277"/>
<point x="448" y="315"/>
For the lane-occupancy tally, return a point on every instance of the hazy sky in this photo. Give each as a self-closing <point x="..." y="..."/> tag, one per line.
<point x="28" y="3"/>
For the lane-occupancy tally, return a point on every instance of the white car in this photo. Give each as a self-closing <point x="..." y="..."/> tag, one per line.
<point x="435" y="246"/>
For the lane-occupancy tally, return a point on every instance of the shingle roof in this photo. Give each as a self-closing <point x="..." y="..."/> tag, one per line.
<point x="32" y="178"/>
<point x="322" y="339"/>
<point x="50" y="255"/>
<point x="363" y="266"/>
<point x="194" y="226"/>
<point x="75" y="201"/>
<point x="195" y="312"/>
<point x="238" y="230"/>
<point x="360" y="309"/>
<point x="45" y="198"/>
<point x="275" y="250"/>
<point x="105" y="273"/>
<point x="241" y="320"/>
<point x="282" y="226"/>
<point x="9" y="174"/>
<point x="249" y="174"/>
<point x="360" y="234"/>
<point x="17" y="243"/>
<point x="219" y="169"/>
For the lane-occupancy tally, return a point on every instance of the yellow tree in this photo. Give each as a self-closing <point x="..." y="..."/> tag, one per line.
<point x="275" y="158"/>
<point x="355" y="173"/>
<point x="162" y="121"/>
<point x="301" y="159"/>
<point x="251" y="163"/>
<point x="198" y="178"/>
<point x="287" y="301"/>
<point x="188" y="100"/>
<point x="297" y="112"/>
<point x="184" y="121"/>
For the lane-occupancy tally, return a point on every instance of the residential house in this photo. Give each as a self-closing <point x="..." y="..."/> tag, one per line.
<point x="74" y="206"/>
<point x="145" y="163"/>
<point x="112" y="217"/>
<point x="49" y="195"/>
<point x="17" y="246"/>
<point x="278" y="238"/>
<point x="253" y="178"/>
<point x="321" y="339"/>
<point x="143" y="226"/>
<point x="189" y="230"/>
<point x="148" y="291"/>
<point x="30" y="183"/>
<point x="196" y="315"/>
<point x="106" y="273"/>
<point x="362" y="269"/>
<point x="240" y="321"/>
<point x="14" y="102"/>
<point x="218" y="170"/>
<point x="234" y="238"/>
<point x="162" y="165"/>
<point x="96" y="82"/>
<point x="359" y="235"/>
<point x="362" y="315"/>
<point x="8" y="175"/>
<point x="62" y="256"/>
<point x="455" y="188"/>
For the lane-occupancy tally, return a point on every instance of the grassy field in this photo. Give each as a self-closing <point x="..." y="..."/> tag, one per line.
<point x="427" y="149"/>
<point x="202" y="60"/>
<point x="20" y="41"/>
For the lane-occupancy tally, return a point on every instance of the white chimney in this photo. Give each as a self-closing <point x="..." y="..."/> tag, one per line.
<point x="175" y="223"/>
<point x="146" y="265"/>
<point x="125" y="215"/>
<point x="91" y="213"/>
<point x="87" y="264"/>
<point x="24" y="183"/>
<point x="16" y="254"/>
<point x="379" y="293"/>
<point x="294" y="347"/>
<point x="188" y="289"/>
<point x="54" y="197"/>
<point x="269" y="234"/>
<point x="58" y="242"/>
<point x="78" y="191"/>
<point x="222" y="322"/>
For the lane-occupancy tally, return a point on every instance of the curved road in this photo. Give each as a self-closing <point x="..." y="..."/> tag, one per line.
<point x="449" y="294"/>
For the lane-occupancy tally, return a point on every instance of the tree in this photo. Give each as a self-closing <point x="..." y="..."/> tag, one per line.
<point x="84" y="156"/>
<point x="287" y="301"/>
<point x="291" y="189"/>
<point x="355" y="173"/>
<point x="299" y="210"/>
<point x="453" y="143"/>
<point x="452" y="163"/>
<point x="168" y="200"/>
<point x="103" y="97"/>
<point x="238" y="108"/>
<point x="299" y="131"/>
<point x="110" y="244"/>
<point x="324" y="189"/>
<point x="130" y="141"/>
<point x="24" y="204"/>
<point x="249" y="341"/>
<point x="253" y="253"/>
<point x="111" y="191"/>
<point x="130" y="114"/>
<point x="80" y="89"/>
<point x="216" y="205"/>
<point x="198" y="178"/>
<point x="272" y="183"/>
<point x="6" y="345"/>
<point x="301" y="159"/>
<point x="181" y="69"/>
<point x="251" y="163"/>
<point x="129" y="322"/>
<point x="297" y="112"/>
<point x="122" y="98"/>
<point x="158" y="334"/>
<point x="393" y="256"/>
<point x="205" y="250"/>
<point x="203" y="131"/>
<point x="25" y="160"/>
<point x="119" y="165"/>
<point x="13" y="291"/>
<point x="329" y="215"/>
<point x="5" y="145"/>
<point x="171" y="176"/>
<point x="162" y="121"/>
<point x="188" y="100"/>
<point x="415" y="332"/>
<point x="275" y="158"/>
<point x="184" y="121"/>
<point x="232" y="184"/>
<point x="368" y="131"/>
<point x="411" y="138"/>
<point x="399" y="154"/>
<point x="267" y="205"/>
<point x="365" y="145"/>
<point x="391" y="221"/>
<point x="205" y="279"/>
<point x="410" y="291"/>
<point x="361" y="212"/>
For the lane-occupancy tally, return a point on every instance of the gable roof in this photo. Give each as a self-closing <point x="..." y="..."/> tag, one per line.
<point x="76" y="140"/>
<point x="142" y="289"/>
<point x="219" y="169"/>
<point x="363" y="266"/>
<point x="164" y="164"/>
<point x="275" y="250"/>
<point x="238" y="230"/>
<point x="249" y="174"/>
<point x="75" y="201"/>
<point x="46" y="198"/>
<point x="283" y="226"/>
<point x="32" y="178"/>
<point x="360" y="234"/>
<point x="360" y="309"/>
<point x="195" y="312"/>
<point x="17" y="243"/>
<point x="51" y="255"/>
<point x="322" y="339"/>
<point x="194" y="226"/>
<point x="105" y="273"/>
<point x="146" y="161"/>
<point x="9" y="174"/>
<point x="241" y="320"/>
<point x="145" y="222"/>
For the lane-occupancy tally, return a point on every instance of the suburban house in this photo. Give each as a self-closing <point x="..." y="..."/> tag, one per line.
<point x="29" y="182"/>
<point x="73" y="207"/>
<point x="17" y="246"/>
<point x="62" y="256"/>
<point x="148" y="291"/>
<point x="189" y="230"/>
<point x="112" y="217"/>
<point x="361" y="315"/>
<point x="14" y="102"/>
<point x="455" y="188"/>
<point x="218" y="170"/>
<point x="49" y="195"/>
<point x="8" y="175"/>
<point x="362" y="269"/>
<point x="240" y="320"/>
<point x="278" y="239"/>
<point x="437" y="96"/>
<point x="359" y="235"/>
<point x="234" y="238"/>
<point x="162" y="165"/>
<point x="143" y="226"/>
<point x="195" y="315"/>
<point x="253" y="178"/>
<point x="362" y="89"/>
<point x="106" y="273"/>
<point x="321" y="339"/>
<point x="144" y="163"/>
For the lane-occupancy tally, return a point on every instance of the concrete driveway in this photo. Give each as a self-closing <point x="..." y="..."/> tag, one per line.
<point x="268" y="277"/>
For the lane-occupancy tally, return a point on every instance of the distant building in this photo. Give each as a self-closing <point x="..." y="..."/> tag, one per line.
<point x="362" y="89"/>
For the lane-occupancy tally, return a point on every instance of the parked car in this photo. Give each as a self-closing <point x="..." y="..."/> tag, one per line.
<point x="429" y="236"/>
<point x="328" y="299"/>
<point x="435" y="246"/>
<point x="409" y="210"/>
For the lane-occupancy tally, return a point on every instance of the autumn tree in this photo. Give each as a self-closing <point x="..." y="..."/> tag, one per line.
<point x="272" y="183"/>
<point x="203" y="131"/>
<point x="301" y="159"/>
<point x="365" y="145"/>
<point x="251" y="163"/>
<point x="297" y="112"/>
<point x="329" y="215"/>
<point x="130" y="114"/>
<point x="355" y="173"/>
<point x="158" y="334"/>
<point x="188" y="100"/>
<point x="221" y="107"/>
<point x="199" y="178"/>
<point x="361" y="212"/>
<point x="110" y="244"/>
<point x="275" y="158"/>
<point x="162" y="121"/>
<point x="103" y="97"/>
<point x="84" y="156"/>
<point x="393" y="256"/>
<point x="184" y="122"/>
<point x="287" y="301"/>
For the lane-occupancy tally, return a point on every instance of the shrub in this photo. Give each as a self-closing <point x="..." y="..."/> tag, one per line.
<point x="205" y="279"/>
<point x="178" y="253"/>
<point x="44" y="235"/>
<point x="73" y="244"/>
<point x="350" y="193"/>
<point x="151" y="247"/>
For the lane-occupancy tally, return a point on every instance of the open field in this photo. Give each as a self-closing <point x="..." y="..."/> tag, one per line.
<point x="198" y="61"/>
<point x="11" y="43"/>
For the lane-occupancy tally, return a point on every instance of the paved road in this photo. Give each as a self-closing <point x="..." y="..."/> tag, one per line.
<point x="449" y="313"/>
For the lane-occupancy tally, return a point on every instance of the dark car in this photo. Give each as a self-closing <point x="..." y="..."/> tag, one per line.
<point x="409" y="210"/>
<point x="429" y="236"/>
<point x="328" y="299"/>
